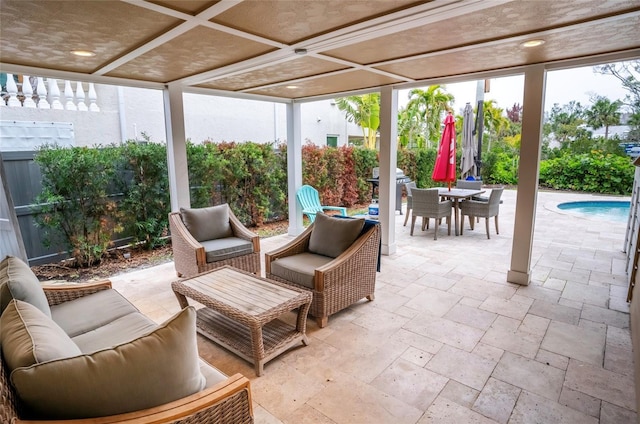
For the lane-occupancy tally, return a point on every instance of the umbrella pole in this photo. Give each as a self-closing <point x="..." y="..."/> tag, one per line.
<point x="449" y="185"/>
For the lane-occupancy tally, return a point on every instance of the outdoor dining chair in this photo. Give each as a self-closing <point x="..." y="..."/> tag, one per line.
<point x="482" y="209"/>
<point x="427" y="204"/>
<point x="409" y="186"/>
<point x="310" y="202"/>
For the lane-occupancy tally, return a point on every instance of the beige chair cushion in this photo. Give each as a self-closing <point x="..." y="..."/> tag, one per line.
<point x="17" y="281"/>
<point x="226" y="248"/>
<point x="207" y="223"/>
<point x="332" y="236"/>
<point x="300" y="268"/>
<point x="28" y="337"/>
<point x="154" y="369"/>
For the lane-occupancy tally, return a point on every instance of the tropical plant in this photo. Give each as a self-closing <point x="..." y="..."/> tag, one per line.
<point x="74" y="205"/>
<point x="365" y="111"/>
<point x="144" y="181"/>
<point x="429" y="105"/>
<point x="495" y="123"/>
<point x="603" y="113"/>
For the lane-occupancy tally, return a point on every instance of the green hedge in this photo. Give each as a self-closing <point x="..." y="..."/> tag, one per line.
<point x="593" y="172"/>
<point x="91" y="195"/>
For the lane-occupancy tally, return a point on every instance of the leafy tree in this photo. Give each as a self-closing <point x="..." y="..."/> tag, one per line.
<point x="565" y="123"/>
<point x="629" y="75"/>
<point x="514" y="113"/>
<point x="74" y="203"/>
<point x="603" y="113"/>
<point x="365" y="111"/>
<point x="430" y="105"/>
<point x="145" y="206"/>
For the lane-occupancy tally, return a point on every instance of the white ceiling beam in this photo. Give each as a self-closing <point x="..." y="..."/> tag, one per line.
<point x="394" y="22"/>
<point x="190" y="22"/>
<point x="511" y="39"/>
<point x="77" y="76"/>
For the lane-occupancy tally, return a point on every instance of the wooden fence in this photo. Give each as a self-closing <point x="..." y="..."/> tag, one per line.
<point x="24" y="180"/>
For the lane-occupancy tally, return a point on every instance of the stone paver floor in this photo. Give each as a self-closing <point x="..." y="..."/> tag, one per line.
<point x="448" y="340"/>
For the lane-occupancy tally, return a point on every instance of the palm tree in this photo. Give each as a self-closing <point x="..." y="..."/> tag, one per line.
<point x="495" y="123"/>
<point x="430" y="104"/>
<point x="410" y="129"/>
<point x="365" y="111"/>
<point x="603" y="113"/>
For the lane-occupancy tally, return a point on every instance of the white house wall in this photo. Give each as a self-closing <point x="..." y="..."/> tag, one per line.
<point x="133" y="112"/>
<point x="225" y="119"/>
<point x="90" y="128"/>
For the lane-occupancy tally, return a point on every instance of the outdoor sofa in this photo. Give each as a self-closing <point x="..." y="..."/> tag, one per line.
<point x="84" y="353"/>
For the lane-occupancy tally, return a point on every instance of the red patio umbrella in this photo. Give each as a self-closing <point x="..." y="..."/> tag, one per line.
<point x="445" y="167"/>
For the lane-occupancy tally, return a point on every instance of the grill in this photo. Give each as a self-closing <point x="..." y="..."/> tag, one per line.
<point x="401" y="179"/>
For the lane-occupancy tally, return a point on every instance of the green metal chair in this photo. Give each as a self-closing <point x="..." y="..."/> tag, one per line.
<point x="310" y="202"/>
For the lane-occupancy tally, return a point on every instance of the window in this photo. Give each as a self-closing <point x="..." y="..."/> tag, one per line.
<point x="332" y="140"/>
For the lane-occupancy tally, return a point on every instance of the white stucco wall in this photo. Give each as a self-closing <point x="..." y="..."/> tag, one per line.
<point x="130" y="112"/>
<point x="90" y="128"/>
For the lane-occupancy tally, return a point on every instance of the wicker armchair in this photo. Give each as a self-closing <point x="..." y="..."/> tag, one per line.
<point x="192" y="256"/>
<point x="482" y="209"/>
<point x="426" y="203"/>
<point x="227" y="402"/>
<point x="338" y="282"/>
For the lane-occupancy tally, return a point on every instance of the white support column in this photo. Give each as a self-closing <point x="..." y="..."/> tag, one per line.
<point x="176" y="148"/>
<point x="532" y="119"/>
<point x="294" y="166"/>
<point x="388" y="164"/>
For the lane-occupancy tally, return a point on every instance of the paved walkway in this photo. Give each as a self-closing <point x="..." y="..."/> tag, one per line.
<point x="448" y="340"/>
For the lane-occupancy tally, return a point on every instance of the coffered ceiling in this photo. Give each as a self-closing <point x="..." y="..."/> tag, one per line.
<point x="304" y="48"/>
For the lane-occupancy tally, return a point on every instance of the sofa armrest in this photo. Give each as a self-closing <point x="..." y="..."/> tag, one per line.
<point x="188" y="253"/>
<point x="240" y="231"/>
<point x="60" y="293"/>
<point x="298" y="245"/>
<point x="228" y="402"/>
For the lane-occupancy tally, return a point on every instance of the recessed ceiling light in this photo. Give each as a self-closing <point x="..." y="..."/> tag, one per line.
<point x="83" y="53"/>
<point x="532" y="43"/>
<point x="291" y="87"/>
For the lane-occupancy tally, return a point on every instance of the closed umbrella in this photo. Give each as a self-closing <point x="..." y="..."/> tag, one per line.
<point x="468" y="161"/>
<point x="445" y="166"/>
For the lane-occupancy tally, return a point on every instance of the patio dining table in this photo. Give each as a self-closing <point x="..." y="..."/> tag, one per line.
<point x="457" y="195"/>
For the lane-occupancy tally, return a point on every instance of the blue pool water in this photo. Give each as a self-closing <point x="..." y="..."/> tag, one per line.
<point x="610" y="210"/>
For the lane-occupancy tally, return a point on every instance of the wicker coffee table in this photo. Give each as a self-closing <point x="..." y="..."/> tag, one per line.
<point x="241" y="312"/>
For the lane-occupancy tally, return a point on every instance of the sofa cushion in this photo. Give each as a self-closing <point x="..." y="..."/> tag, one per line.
<point x="207" y="223"/>
<point x="211" y="374"/>
<point x="332" y="236"/>
<point x="118" y="331"/>
<point x="96" y="310"/>
<point x="29" y="337"/>
<point x="17" y="281"/>
<point x="154" y="369"/>
<point x="226" y="248"/>
<point x="299" y="268"/>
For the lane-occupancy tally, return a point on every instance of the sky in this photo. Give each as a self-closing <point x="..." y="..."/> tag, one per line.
<point x="562" y="87"/>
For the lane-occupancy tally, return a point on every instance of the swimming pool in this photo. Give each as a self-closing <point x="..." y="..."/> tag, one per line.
<point x="609" y="210"/>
